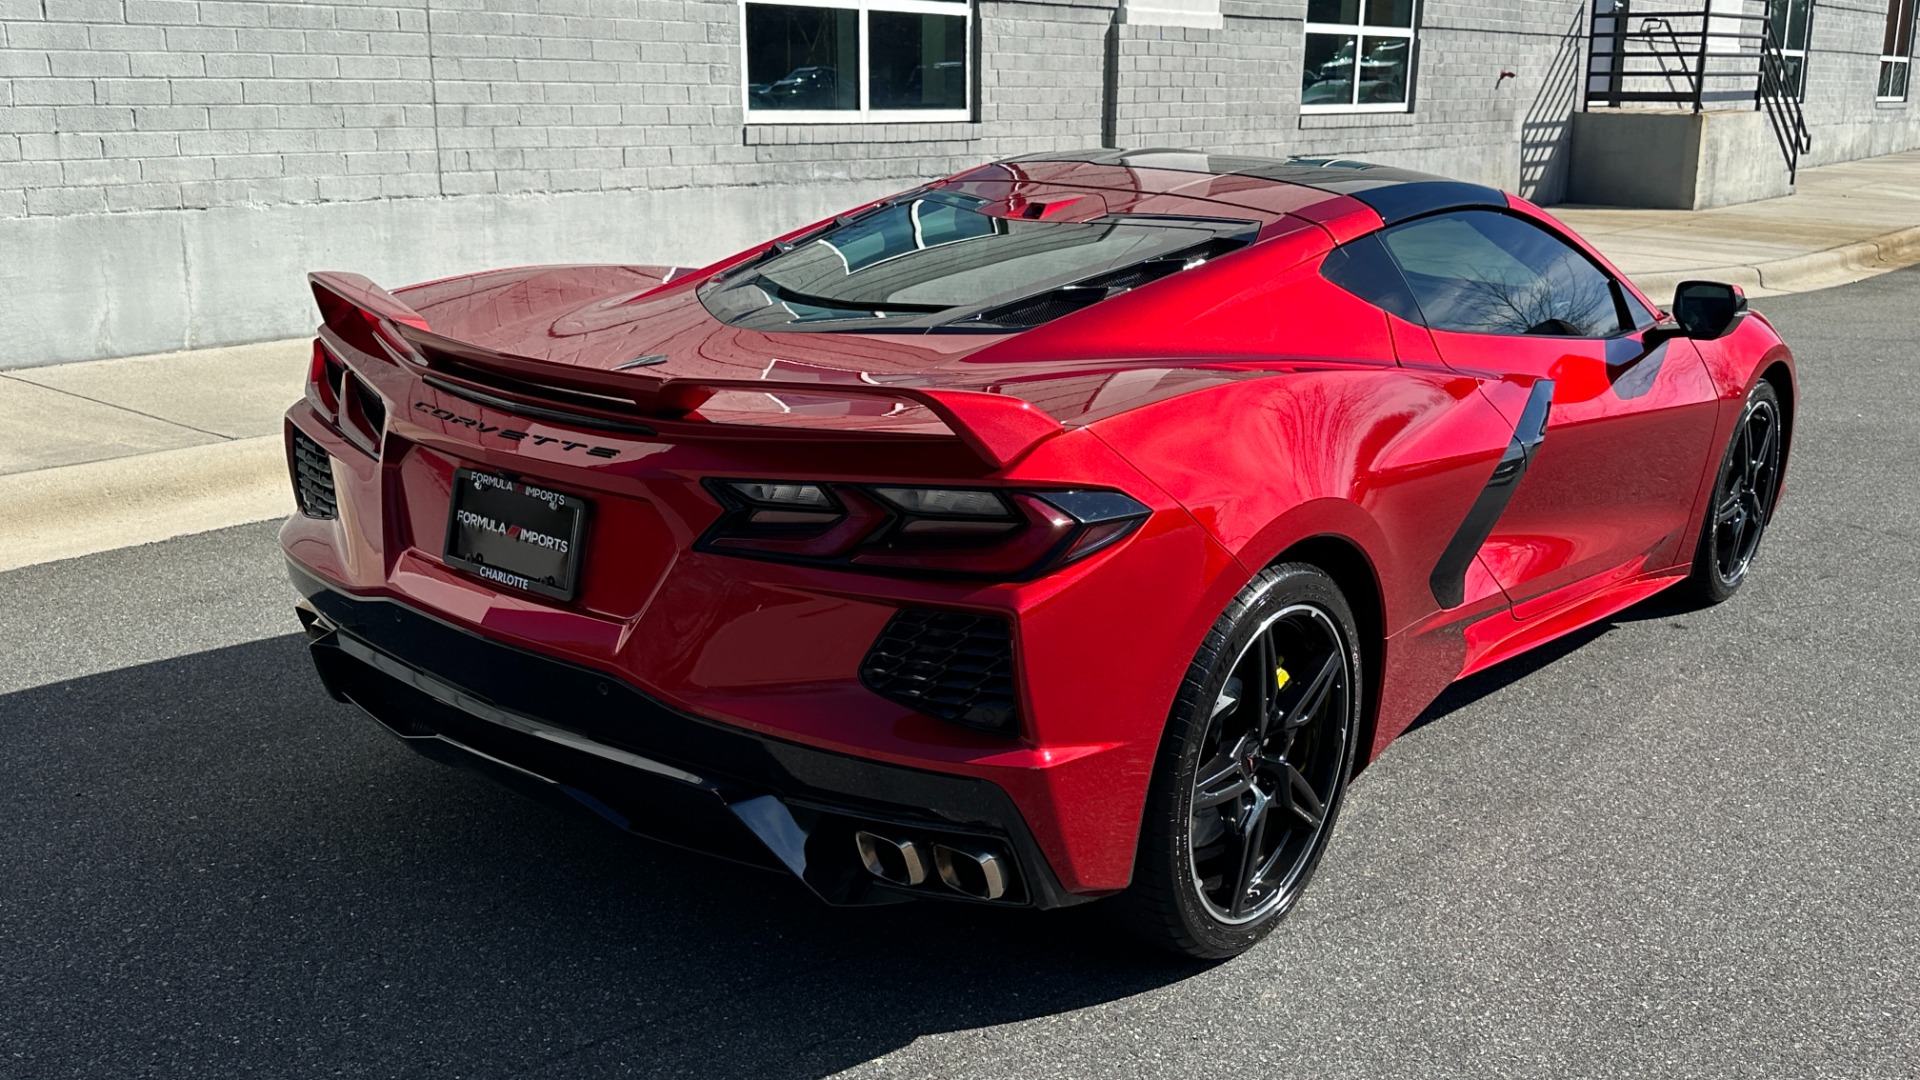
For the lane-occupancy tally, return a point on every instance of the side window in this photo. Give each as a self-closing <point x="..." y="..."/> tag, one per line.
<point x="1364" y="269"/>
<point x="1478" y="272"/>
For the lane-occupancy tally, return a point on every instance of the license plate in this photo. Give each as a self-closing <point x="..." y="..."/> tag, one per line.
<point x="516" y="534"/>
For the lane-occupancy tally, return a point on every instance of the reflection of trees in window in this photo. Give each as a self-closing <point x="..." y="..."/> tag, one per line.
<point x="1538" y="306"/>
<point x="1487" y="273"/>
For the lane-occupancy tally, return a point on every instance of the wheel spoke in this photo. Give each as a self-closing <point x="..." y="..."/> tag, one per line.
<point x="1746" y="452"/>
<point x="1315" y="696"/>
<point x="1222" y="780"/>
<point x="1252" y="832"/>
<point x="1765" y="454"/>
<point x="1729" y="510"/>
<point x="1264" y="665"/>
<point x="1302" y="800"/>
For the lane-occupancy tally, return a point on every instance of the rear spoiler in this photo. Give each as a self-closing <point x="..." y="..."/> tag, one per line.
<point x="998" y="429"/>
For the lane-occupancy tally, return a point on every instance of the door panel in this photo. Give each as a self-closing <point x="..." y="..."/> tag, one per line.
<point x="1609" y="491"/>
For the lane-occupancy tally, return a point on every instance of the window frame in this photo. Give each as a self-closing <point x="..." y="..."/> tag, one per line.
<point x="1360" y="31"/>
<point x="865" y="114"/>
<point x="1906" y="59"/>
<point x="1624" y="297"/>
<point x="1805" y="51"/>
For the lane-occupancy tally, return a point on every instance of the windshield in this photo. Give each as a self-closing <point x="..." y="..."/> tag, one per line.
<point x="936" y="253"/>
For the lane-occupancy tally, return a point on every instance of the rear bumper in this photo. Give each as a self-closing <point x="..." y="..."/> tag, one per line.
<point x="578" y="737"/>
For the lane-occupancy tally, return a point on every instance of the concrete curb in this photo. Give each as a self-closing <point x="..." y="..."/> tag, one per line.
<point x="1802" y="273"/>
<point x="75" y="510"/>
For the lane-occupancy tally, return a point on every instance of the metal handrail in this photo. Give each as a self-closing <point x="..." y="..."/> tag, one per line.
<point x="1660" y="40"/>
<point x="1647" y="28"/>
<point x="1747" y="55"/>
<point x="1778" y="96"/>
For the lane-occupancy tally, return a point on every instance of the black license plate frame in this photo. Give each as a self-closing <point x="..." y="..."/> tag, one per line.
<point x="516" y="534"/>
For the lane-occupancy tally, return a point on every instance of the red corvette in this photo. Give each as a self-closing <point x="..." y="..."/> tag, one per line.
<point x="1073" y="527"/>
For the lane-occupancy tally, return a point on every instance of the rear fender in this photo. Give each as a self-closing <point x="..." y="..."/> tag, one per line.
<point x="1390" y="460"/>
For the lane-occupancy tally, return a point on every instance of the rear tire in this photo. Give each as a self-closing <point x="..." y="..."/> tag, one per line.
<point x="1744" y="493"/>
<point x="1252" y="768"/>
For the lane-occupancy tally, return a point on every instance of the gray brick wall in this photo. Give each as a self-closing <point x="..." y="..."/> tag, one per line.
<point x="296" y="130"/>
<point x="124" y="105"/>
<point x="169" y="104"/>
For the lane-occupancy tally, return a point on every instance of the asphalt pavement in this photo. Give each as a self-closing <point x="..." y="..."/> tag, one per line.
<point x="1682" y="844"/>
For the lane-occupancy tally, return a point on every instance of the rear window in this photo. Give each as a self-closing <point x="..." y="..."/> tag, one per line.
<point x="936" y="261"/>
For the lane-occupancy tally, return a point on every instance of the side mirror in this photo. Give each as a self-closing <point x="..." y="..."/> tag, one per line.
<point x="1708" y="310"/>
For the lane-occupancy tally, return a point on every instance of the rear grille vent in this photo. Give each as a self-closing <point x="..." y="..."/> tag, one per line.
<point x="949" y="664"/>
<point x="313" y="479"/>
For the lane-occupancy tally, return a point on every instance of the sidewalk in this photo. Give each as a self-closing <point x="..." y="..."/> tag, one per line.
<point x="1844" y="222"/>
<point x="110" y="453"/>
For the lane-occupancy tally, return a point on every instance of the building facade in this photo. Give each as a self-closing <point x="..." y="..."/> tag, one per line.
<point x="169" y="169"/>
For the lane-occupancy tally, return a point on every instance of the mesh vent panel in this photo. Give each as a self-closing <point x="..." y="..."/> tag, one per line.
<point x="313" y="479"/>
<point x="953" y="665"/>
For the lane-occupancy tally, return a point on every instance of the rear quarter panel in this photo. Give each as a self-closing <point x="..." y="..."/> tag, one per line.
<point x="1385" y="459"/>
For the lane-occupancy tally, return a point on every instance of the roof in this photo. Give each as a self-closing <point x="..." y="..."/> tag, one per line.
<point x="1395" y="194"/>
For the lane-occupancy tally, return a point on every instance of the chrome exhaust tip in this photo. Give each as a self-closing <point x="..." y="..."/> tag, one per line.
<point x="977" y="873"/>
<point x="897" y="862"/>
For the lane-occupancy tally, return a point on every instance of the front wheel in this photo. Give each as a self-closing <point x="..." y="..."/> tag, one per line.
<point x="1255" y="760"/>
<point x="1743" y="499"/>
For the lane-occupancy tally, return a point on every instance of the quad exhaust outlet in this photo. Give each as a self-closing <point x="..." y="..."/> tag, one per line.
<point x="968" y="869"/>
<point x="897" y="862"/>
<point x="977" y="873"/>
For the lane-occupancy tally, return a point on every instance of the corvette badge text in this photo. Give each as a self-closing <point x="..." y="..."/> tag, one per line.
<point x="510" y="434"/>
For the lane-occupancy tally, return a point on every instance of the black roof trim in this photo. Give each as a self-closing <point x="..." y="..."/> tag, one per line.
<point x="1395" y="194"/>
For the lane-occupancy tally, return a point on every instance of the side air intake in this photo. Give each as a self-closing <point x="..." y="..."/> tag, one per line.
<point x="955" y="665"/>
<point x="313" y="479"/>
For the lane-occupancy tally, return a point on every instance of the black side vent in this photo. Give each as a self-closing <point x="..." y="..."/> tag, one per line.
<point x="313" y="479"/>
<point x="948" y="664"/>
<point x="372" y="408"/>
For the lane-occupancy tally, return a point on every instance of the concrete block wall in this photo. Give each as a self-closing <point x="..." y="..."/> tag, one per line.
<point x="169" y="169"/>
<point x="1238" y="88"/>
<point x="1842" y="73"/>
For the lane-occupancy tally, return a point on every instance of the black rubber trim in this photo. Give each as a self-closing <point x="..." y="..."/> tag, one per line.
<point x="734" y="766"/>
<point x="1449" y="579"/>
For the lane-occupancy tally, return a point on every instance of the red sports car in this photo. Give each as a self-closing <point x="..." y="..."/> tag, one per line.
<point x="1073" y="527"/>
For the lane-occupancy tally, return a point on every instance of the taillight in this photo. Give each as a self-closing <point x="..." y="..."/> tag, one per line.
<point x="992" y="532"/>
<point x="325" y="379"/>
<point x="344" y="400"/>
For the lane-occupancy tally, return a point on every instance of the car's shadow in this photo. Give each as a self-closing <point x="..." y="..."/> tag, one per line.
<point x="214" y="868"/>
<point x="1665" y="605"/>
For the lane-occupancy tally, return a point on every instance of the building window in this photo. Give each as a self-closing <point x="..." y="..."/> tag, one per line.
<point x="1790" y="22"/>
<point x="1359" y="56"/>
<point x="1896" y="54"/>
<point x="855" y="61"/>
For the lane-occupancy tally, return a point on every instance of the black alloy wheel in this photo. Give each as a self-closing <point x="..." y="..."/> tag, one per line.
<point x="1743" y="497"/>
<point x="1276" y="746"/>
<point x="1256" y="758"/>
